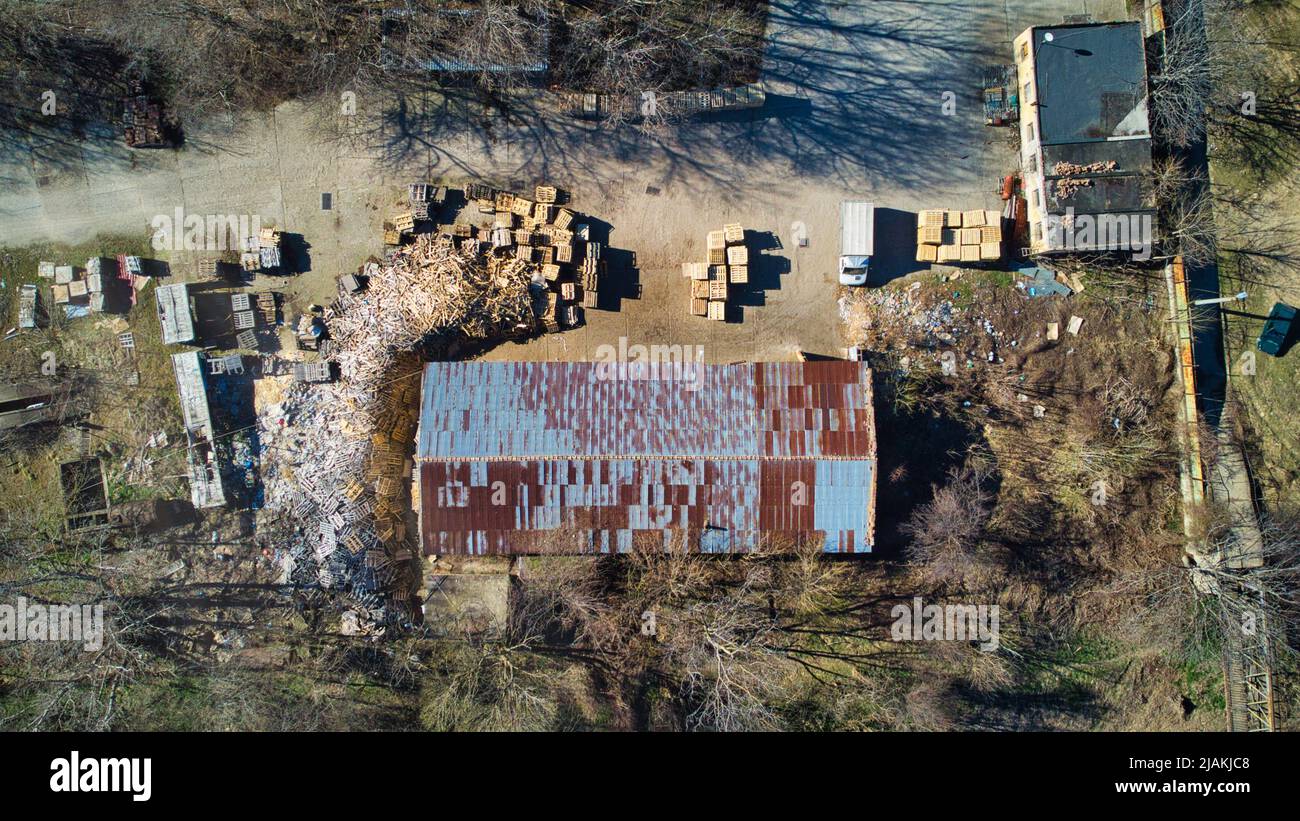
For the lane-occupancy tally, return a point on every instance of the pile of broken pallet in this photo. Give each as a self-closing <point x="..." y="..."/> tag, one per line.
<point x="947" y="237"/>
<point x="540" y="232"/>
<point x="727" y="264"/>
<point x="422" y="200"/>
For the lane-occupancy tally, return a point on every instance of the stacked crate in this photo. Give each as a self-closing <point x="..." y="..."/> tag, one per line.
<point x="944" y="236"/>
<point x="727" y="263"/>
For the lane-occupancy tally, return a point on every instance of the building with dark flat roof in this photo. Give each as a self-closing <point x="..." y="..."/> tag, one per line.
<point x="580" y="457"/>
<point x="1085" y="135"/>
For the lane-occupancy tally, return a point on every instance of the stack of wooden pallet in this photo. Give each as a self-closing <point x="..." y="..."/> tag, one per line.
<point x="954" y="237"/>
<point x="727" y="263"/>
<point x="542" y="233"/>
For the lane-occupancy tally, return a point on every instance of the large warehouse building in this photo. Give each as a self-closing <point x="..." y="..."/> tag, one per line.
<point x="559" y="457"/>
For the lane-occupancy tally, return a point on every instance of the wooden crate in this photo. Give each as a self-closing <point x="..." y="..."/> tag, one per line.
<point x="563" y="218"/>
<point x="60" y="294"/>
<point x="699" y="270"/>
<point x="568" y="290"/>
<point x="551" y="272"/>
<point x="990" y="233"/>
<point x="990" y="250"/>
<point x="590" y="298"/>
<point x="718" y="272"/>
<point x="952" y="219"/>
<point x="949" y="253"/>
<point x="546" y="255"/>
<point x="929" y="235"/>
<point x="545" y="193"/>
<point x="738" y="273"/>
<point x="717" y="310"/>
<point x="503" y="219"/>
<point x="699" y="289"/>
<point x="717" y="256"/>
<point x="718" y="289"/>
<point x="404" y="222"/>
<point x="716" y="239"/>
<point x="970" y="236"/>
<point x="523" y="237"/>
<point x="699" y="307"/>
<point x="927" y="253"/>
<point x="737" y="255"/>
<point x="973" y="218"/>
<point x="542" y="212"/>
<point x="564" y="253"/>
<point x="505" y="201"/>
<point x="522" y="207"/>
<point x="930" y="218"/>
<point x="970" y="253"/>
<point x="733" y="233"/>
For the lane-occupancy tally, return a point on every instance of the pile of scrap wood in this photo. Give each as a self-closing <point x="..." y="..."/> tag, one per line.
<point x="432" y="286"/>
<point x="1070" y="177"/>
<point x="956" y="237"/>
<point x="727" y="264"/>
<point x="338" y="453"/>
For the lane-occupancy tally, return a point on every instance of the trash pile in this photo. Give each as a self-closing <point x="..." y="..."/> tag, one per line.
<point x="935" y="323"/>
<point x="337" y="455"/>
<point x="915" y="318"/>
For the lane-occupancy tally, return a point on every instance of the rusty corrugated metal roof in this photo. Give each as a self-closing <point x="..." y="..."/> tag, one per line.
<point x="520" y="457"/>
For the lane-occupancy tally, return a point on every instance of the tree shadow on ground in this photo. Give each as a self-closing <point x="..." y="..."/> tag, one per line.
<point x="915" y="450"/>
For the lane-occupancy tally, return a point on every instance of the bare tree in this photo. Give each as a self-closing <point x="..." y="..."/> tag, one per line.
<point x="947" y="532"/>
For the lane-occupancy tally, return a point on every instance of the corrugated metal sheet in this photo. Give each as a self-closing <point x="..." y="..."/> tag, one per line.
<point x="521" y="457"/>
<point x="174" y="313"/>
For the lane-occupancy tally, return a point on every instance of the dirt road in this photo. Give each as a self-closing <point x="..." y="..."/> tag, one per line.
<point x="856" y="109"/>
